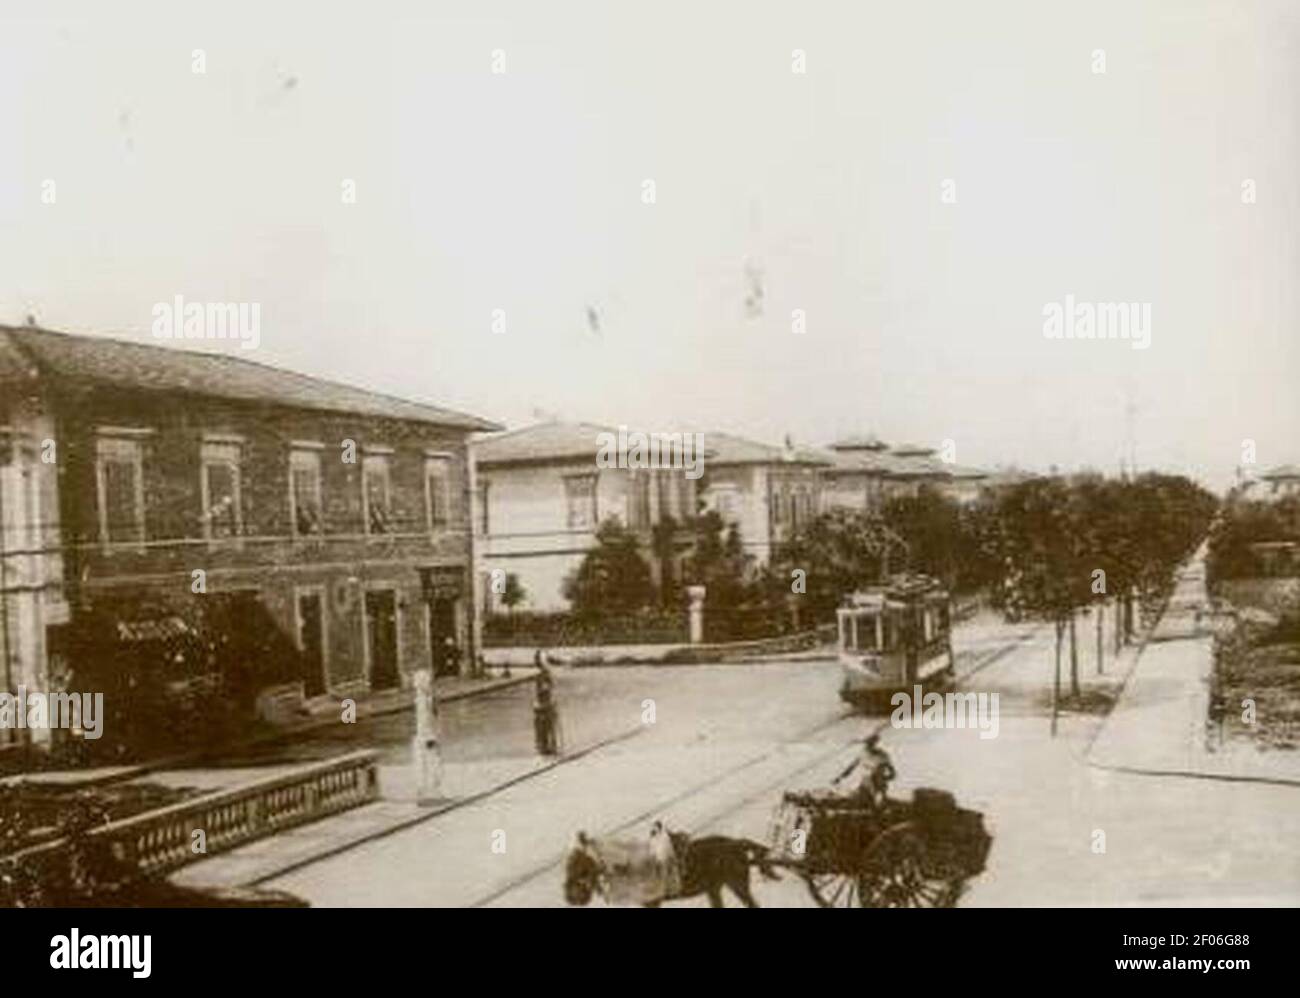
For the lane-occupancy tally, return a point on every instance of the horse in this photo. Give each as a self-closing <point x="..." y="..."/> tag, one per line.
<point x="707" y="864"/>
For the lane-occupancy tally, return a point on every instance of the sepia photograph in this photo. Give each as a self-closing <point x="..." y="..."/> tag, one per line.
<point x="582" y="455"/>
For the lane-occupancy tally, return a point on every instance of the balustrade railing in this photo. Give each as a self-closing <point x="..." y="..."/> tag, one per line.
<point x="163" y="840"/>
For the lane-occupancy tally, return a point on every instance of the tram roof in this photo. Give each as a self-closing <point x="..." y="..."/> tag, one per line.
<point x="897" y="589"/>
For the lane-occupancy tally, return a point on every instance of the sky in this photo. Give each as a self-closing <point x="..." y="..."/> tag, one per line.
<point x="866" y="245"/>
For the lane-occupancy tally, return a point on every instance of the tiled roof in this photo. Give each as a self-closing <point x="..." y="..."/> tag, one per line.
<point x="727" y="448"/>
<point x="867" y="455"/>
<point x="866" y="462"/>
<point x="867" y="441"/>
<point x="559" y="441"/>
<point x="892" y="464"/>
<point x="914" y="465"/>
<point x="553" y="441"/>
<point x="103" y="360"/>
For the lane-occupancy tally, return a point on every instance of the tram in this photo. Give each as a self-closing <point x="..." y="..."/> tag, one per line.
<point x="893" y="637"/>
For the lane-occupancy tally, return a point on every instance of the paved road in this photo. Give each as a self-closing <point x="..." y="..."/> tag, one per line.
<point x="727" y="740"/>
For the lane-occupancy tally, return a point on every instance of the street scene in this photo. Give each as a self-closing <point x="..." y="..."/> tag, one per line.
<point x="715" y="776"/>
<point x="551" y="458"/>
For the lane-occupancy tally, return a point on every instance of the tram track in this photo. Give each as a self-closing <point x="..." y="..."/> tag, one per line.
<point x="537" y="872"/>
<point x="660" y="806"/>
<point x="1001" y="652"/>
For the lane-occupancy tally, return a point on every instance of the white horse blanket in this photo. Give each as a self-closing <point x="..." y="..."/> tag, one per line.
<point x="637" y="871"/>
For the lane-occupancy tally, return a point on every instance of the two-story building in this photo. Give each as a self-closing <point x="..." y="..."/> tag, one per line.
<point x="162" y="505"/>
<point x="856" y="477"/>
<point x="767" y="492"/>
<point x="543" y="494"/>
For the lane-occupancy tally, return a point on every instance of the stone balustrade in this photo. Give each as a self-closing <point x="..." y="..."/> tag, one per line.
<point x="162" y="840"/>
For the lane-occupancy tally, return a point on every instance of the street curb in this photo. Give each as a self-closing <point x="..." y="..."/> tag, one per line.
<point x="429" y="814"/>
<point x="269" y="738"/>
<point x="1272" y="781"/>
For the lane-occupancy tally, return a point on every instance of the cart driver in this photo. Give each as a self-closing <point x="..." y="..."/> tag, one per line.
<point x="877" y="770"/>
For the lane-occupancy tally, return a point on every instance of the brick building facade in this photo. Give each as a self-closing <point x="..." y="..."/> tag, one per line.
<point x="331" y="526"/>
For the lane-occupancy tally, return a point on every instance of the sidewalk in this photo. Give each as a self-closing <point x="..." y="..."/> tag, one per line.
<point x="398" y="808"/>
<point x="325" y="710"/>
<point x="1159" y="724"/>
<point x="322" y="712"/>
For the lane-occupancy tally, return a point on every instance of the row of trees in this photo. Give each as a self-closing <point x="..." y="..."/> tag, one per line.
<point x="1046" y="549"/>
<point x="1042" y="549"/>
<point x="1069" y="544"/>
<point x="843" y="550"/>
<point x="833" y="554"/>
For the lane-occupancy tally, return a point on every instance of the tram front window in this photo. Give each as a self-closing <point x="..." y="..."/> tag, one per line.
<point x="863" y="633"/>
<point x="860" y="632"/>
<point x="890" y="632"/>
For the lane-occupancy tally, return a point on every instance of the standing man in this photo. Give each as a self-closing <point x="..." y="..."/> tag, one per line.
<point x="545" y="720"/>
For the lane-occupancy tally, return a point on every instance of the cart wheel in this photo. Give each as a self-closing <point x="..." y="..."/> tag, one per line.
<point x="897" y="873"/>
<point x="834" y="890"/>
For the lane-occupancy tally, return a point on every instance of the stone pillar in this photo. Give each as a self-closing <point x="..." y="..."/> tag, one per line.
<point x="695" y="594"/>
<point x="426" y="757"/>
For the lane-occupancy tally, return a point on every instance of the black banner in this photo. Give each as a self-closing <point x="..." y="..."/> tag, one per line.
<point x="932" y="950"/>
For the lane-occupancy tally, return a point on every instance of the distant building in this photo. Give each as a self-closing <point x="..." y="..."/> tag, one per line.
<point x="330" y="525"/>
<point x="543" y="495"/>
<point x="855" y="478"/>
<point x="866" y="472"/>
<point x="965" y="484"/>
<point x="1006" y="478"/>
<point x="767" y="492"/>
<point x="1281" y="482"/>
<point x="913" y="466"/>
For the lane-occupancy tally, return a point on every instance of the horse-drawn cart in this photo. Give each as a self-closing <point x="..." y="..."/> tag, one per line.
<point x="857" y="850"/>
<point x="898" y="854"/>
